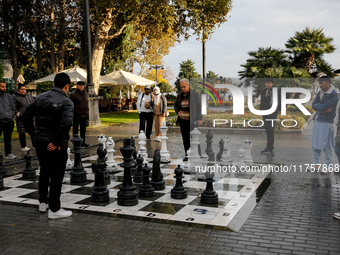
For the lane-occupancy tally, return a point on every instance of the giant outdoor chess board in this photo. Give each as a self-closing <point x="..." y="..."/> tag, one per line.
<point x="236" y="191"/>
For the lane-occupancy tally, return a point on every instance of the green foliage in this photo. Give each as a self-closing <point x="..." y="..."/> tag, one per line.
<point x="170" y="97"/>
<point x="165" y="87"/>
<point x="187" y="71"/>
<point x="1" y="71"/>
<point x="44" y="86"/>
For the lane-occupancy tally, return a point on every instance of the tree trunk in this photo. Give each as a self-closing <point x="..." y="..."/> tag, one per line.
<point x="52" y="43"/>
<point x="101" y="38"/>
<point x="15" y="57"/>
<point x="61" y="36"/>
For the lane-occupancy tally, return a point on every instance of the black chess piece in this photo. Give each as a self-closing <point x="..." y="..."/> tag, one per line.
<point x="157" y="177"/>
<point x="134" y="157"/>
<point x="209" y="195"/>
<point x="179" y="192"/>
<point x="146" y="190"/>
<point x="3" y="171"/>
<point x="100" y="193"/>
<point x="127" y="195"/>
<point x="29" y="172"/>
<point x="1" y="182"/>
<point x="209" y="151"/>
<point x="78" y="174"/>
<point x="101" y="152"/>
<point x="219" y="155"/>
<point x="138" y="176"/>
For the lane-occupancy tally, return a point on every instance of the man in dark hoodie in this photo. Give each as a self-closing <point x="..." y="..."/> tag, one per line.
<point x="53" y="112"/>
<point x="7" y="113"/>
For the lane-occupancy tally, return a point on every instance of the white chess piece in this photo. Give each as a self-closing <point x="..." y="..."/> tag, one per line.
<point x="240" y="160"/>
<point x="226" y="156"/>
<point x="102" y="139"/>
<point x="189" y="166"/>
<point x="69" y="163"/>
<point x="247" y="145"/>
<point x="204" y="163"/>
<point x="165" y="155"/>
<point x="195" y="133"/>
<point x="142" y="150"/>
<point x="111" y="163"/>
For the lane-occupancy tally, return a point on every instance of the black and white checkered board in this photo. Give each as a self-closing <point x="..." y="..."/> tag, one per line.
<point x="236" y="191"/>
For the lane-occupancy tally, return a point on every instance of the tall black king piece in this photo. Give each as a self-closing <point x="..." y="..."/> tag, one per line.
<point x="209" y="151"/>
<point x="157" y="177"/>
<point x="209" y="195"/>
<point x="127" y="195"/>
<point x="78" y="174"/>
<point x="100" y="193"/>
<point x="29" y="172"/>
<point x="146" y="190"/>
<point x="3" y="171"/>
<point x="219" y="154"/>
<point x="101" y="152"/>
<point x="179" y="192"/>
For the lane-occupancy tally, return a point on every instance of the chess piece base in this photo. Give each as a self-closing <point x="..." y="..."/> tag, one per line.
<point x="179" y="193"/>
<point x="158" y="185"/>
<point x="29" y="174"/>
<point x="1" y="183"/>
<point x="100" y="194"/>
<point x="209" y="197"/>
<point x="148" y="191"/>
<point x="3" y="172"/>
<point x="127" y="196"/>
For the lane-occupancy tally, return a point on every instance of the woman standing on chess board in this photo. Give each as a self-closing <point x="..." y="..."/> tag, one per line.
<point x="189" y="113"/>
<point x="159" y="110"/>
<point x="21" y="100"/>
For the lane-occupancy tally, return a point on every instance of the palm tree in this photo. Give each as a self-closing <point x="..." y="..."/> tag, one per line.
<point x="307" y="47"/>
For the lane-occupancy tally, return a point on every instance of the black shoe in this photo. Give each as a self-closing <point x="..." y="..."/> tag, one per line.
<point x="185" y="159"/>
<point x="265" y="151"/>
<point x="271" y="153"/>
<point x="85" y="145"/>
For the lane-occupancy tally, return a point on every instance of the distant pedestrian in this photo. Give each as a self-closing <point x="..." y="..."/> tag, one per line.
<point x="80" y="100"/>
<point x="145" y="110"/>
<point x="269" y="123"/>
<point x="21" y="100"/>
<point x="188" y="108"/>
<point x="7" y="113"/>
<point x="160" y="110"/>
<point x="323" y="133"/>
<point x="53" y="112"/>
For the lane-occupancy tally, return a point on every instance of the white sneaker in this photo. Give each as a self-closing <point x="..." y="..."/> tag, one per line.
<point x="158" y="139"/>
<point x="43" y="207"/>
<point x="59" y="214"/>
<point x="25" y="149"/>
<point x="11" y="156"/>
<point x="336" y="215"/>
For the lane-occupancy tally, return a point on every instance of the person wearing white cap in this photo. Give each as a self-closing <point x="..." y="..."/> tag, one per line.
<point x="159" y="109"/>
<point x="145" y="110"/>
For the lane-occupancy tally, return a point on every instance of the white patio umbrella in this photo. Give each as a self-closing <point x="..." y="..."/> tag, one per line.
<point x="78" y="74"/>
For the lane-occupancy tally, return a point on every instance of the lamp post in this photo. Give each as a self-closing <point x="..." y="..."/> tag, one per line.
<point x="156" y="67"/>
<point x="93" y="98"/>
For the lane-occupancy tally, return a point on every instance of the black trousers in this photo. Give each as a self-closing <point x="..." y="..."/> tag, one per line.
<point x="7" y="129"/>
<point x="82" y="122"/>
<point x="148" y="117"/>
<point x="22" y="139"/>
<point x="52" y="170"/>
<point x="269" y="131"/>
<point x="185" y="131"/>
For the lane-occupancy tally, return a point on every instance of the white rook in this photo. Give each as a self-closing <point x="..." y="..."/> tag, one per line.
<point x="165" y="155"/>
<point x="247" y="145"/>
<point x="195" y="157"/>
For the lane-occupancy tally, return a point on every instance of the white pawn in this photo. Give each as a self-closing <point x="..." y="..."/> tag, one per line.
<point x="189" y="165"/>
<point x="142" y="150"/>
<point x="111" y="163"/>
<point x="194" y="145"/>
<point x="226" y="156"/>
<point x="69" y="163"/>
<point x="204" y="163"/>
<point x="247" y="145"/>
<point x="240" y="160"/>
<point x="165" y="155"/>
<point x="102" y="139"/>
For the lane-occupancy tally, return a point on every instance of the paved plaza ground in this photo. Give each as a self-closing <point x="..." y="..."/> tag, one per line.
<point x="294" y="215"/>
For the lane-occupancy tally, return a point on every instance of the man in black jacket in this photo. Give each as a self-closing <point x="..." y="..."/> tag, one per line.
<point x="53" y="112"/>
<point x="188" y="108"/>
<point x="269" y="123"/>
<point x="7" y="112"/>
<point x="79" y="97"/>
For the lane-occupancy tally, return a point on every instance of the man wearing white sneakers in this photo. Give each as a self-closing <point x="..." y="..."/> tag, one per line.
<point x="53" y="112"/>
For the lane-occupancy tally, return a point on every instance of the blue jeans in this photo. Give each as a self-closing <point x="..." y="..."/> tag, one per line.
<point x="328" y="153"/>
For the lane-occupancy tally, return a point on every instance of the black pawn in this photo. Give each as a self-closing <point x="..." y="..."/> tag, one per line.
<point x="78" y="174"/>
<point x="29" y="172"/>
<point x="157" y="177"/>
<point x="179" y="192"/>
<point x="146" y="190"/>
<point x="138" y="177"/>
<point x="209" y="195"/>
<point x="3" y="171"/>
<point x="101" y="152"/>
<point x="100" y="193"/>
<point x="209" y="151"/>
<point x="219" y="155"/>
<point x="127" y="195"/>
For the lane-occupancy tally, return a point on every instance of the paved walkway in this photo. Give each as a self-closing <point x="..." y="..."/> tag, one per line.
<point x="293" y="216"/>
